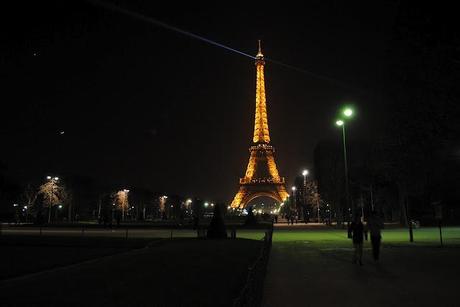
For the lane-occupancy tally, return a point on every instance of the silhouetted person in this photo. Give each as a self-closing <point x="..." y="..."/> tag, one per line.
<point x="357" y="230"/>
<point x="349" y="230"/>
<point x="375" y="224"/>
<point x="196" y="221"/>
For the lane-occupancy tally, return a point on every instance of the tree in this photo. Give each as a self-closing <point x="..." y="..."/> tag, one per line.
<point x="423" y="93"/>
<point x="312" y="196"/>
<point x="28" y="197"/>
<point x="53" y="194"/>
<point x="217" y="229"/>
<point x="120" y="199"/>
<point x="329" y="172"/>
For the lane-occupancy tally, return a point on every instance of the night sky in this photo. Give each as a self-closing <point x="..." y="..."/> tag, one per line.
<point x="142" y="106"/>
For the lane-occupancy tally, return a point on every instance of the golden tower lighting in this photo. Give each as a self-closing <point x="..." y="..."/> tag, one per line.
<point x="261" y="177"/>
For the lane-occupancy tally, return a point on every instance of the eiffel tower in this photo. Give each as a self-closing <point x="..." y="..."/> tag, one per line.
<point x="262" y="177"/>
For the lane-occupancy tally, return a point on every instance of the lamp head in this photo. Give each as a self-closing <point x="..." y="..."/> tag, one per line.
<point x="348" y="112"/>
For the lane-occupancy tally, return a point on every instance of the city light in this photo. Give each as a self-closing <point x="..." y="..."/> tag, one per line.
<point x="206" y="204"/>
<point x="339" y="122"/>
<point x="348" y="112"/>
<point x="294" y="188"/>
<point x="305" y="172"/>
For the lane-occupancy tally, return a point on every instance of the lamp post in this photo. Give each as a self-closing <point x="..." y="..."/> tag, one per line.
<point x="317" y="204"/>
<point x="294" y="199"/>
<point x="52" y="182"/>
<point x="188" y="204"/>
<point x="304" y="174"/>
<point x="328" y="210"/>
<point x="347" y="112"/>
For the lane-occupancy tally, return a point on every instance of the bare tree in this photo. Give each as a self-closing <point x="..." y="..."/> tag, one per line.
<point x="120" y="200"/>
<point x="312" y="195"/>
<point x="29" y="197"/>
<point x="53" y="194"/>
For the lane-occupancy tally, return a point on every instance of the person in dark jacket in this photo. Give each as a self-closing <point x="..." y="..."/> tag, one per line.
<point x="375" y="224"/>
<point x="357" y="230"/>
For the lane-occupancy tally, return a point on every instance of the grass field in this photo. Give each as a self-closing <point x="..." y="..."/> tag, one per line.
<point x="400" y="236"/>
<point x="29" y="254"/>
<point x="183" y="272"/>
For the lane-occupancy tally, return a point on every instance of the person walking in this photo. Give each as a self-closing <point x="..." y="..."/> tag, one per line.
<point x="375" y="224"/>
<point x="357" y="231"/>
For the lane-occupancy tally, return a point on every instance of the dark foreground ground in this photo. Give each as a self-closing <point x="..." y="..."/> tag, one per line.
<point x="313" y="268"/>
<point x="182" y="272"/>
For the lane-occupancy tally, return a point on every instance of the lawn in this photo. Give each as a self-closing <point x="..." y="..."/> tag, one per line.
<point x="29" y="254"/>
<point x="428" y="236"/>
<point x="182" y="272"/>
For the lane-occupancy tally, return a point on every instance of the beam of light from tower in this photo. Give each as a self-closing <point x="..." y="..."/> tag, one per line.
<point x="315" y="75"/>
<point x="156" y="22"/>
<point x="164" y="25"/>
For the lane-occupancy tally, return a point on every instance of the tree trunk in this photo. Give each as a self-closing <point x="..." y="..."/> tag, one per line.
<point x="402" y="198"/>
<point x="70" y="212"/>
<point x="405" y="213"/>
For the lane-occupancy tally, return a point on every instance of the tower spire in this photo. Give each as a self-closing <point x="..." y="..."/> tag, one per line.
<point x="259" y="54"/>
<point x="261" y="133"/>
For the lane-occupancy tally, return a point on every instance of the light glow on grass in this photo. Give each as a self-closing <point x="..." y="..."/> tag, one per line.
<point x="397" y="236"/>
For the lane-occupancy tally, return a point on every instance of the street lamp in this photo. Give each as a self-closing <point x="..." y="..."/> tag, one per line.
<point x="304" y="174"/>
<point x="51" y="193"/>
<point x="294" y="207"/>
<point x="188" y="203"/>
<point x="347" y="112"/>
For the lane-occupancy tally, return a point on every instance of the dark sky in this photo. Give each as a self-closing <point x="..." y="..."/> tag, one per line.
<point x="142" y="106"/>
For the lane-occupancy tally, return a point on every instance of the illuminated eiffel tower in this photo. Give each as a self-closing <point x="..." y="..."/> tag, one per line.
<point x="262" y="177"/>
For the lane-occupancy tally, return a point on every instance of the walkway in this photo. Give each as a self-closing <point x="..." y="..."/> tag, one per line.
<point x="303" y="273"/>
